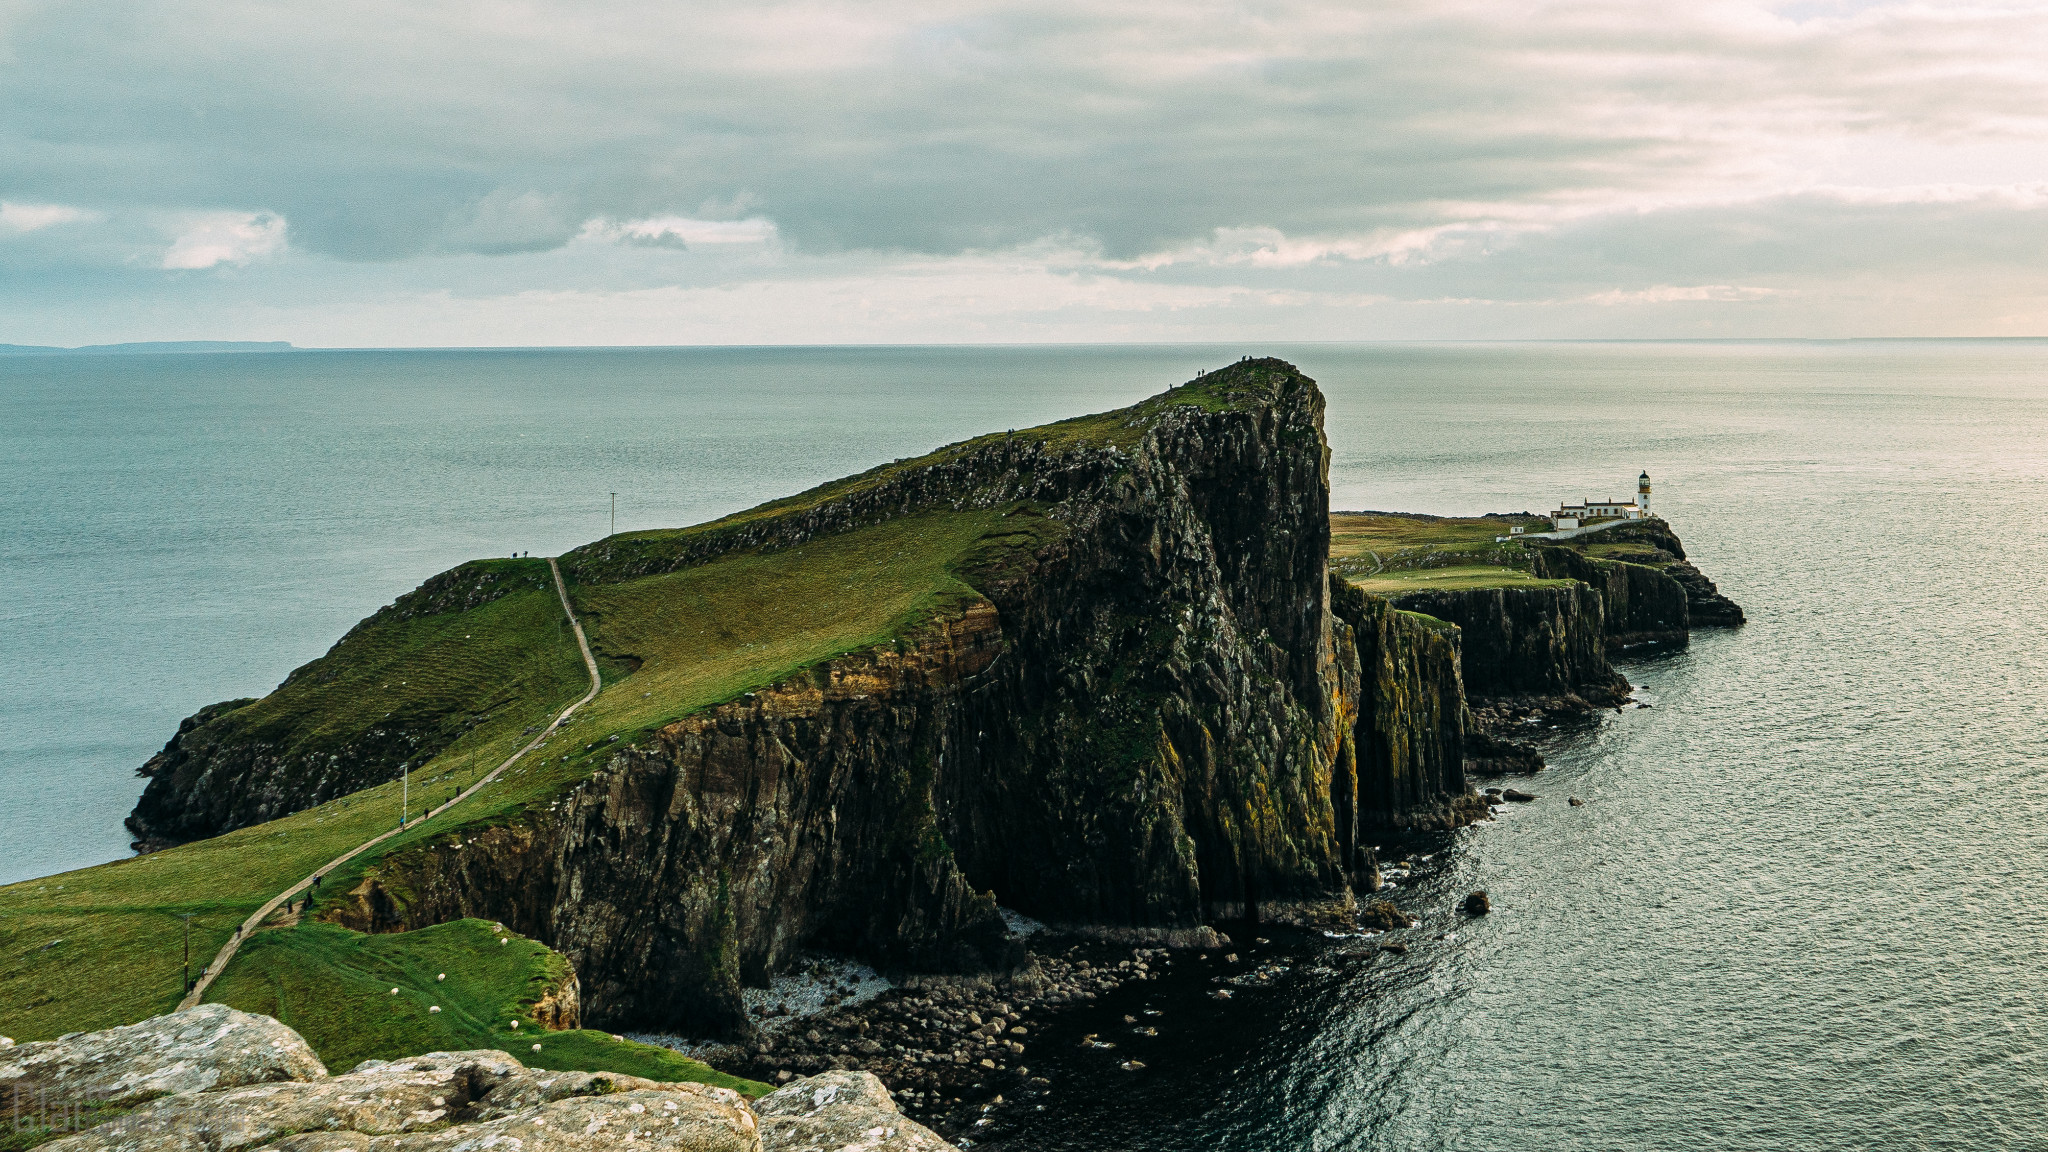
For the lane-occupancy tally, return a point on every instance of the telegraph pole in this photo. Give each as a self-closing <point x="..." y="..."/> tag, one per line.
<point x="404" y="795"/>
<point x="615" y="513"/>
<point x="187" y="917"/>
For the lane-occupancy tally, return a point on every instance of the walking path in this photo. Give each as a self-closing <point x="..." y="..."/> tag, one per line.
<point x="256" y="918"/>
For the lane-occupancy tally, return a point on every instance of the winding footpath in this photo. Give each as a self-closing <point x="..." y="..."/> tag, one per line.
<point x="256" y="918"/>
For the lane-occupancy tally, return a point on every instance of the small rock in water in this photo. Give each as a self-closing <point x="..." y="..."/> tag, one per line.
<point x="1132" y="1065"/>
<point x="1478" y="904"/>
<point x="1517" y="796"/>
<point x="1576" y="801"/>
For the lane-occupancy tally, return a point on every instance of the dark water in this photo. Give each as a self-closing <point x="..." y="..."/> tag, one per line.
<point x="1803" y="906"/>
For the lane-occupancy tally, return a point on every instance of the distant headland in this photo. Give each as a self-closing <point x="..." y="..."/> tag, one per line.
<point x="149" y="346"/>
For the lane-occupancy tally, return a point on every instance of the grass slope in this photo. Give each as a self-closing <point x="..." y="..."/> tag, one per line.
<point x="1457" y="579"/>
<point x="399" y="691"/>
<point x="1390" y="553"/>
<point x="335" y="988"/>
<point x="101" y="946"/>
<point x="673" y="644"/>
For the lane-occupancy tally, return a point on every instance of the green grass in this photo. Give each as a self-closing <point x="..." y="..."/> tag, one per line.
<point x="101" y="947"/>
<point x="672" y="644"/>
<point x="434" y="679"/>
<point x="1122" y="428"/>
<point x="1628" y="552"/>
<point x="334" y="987"/>
<point x="1459" y="578"/>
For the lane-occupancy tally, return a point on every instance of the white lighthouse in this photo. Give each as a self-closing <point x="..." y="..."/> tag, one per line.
<point x="1643" y="493"/>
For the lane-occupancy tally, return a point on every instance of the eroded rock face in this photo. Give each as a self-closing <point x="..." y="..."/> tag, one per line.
<point x="1139" y="724"/>
<point x="1544" y="645"/>
<point x="208" y="1047"/>
<point x="1148" y="718"/>
<point x="840" y="1111"/>
<point x="447" y="1102"/>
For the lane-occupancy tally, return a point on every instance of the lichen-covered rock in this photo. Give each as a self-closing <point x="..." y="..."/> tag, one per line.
<point x="438" y="1102"/>
<point x="840" y="1111"/>
<point x="208" y="1047"/>
<point x="532" y="1087"/>
<point x="453" y="1101"/>
<point x="376" y="1098"/>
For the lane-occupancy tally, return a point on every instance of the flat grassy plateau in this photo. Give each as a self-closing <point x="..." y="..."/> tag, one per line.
<point x="1389" y="553"/>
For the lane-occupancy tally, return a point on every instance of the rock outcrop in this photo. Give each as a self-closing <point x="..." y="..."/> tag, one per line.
<point x="208" y="1047"/>
<point x="1141" y="722"/>
<point x="1545" y="646"/>
<point x="450" y="1101"/>
<point x="840" y="1110"/>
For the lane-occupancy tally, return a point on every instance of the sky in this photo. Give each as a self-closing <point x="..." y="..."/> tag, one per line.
<point x="430" y="173"/>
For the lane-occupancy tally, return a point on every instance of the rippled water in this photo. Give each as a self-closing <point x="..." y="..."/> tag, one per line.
<point x="1803" y="906"/>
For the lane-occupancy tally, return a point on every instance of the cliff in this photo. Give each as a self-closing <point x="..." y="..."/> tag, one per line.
<point x="1410" y="738"/>
<point x="1546" y="646"/>
<point x="1090" y="670"/>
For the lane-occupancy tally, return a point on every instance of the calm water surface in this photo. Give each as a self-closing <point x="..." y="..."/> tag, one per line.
<point x="1803" y="906"/>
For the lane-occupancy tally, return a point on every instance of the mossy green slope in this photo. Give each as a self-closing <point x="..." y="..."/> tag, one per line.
<point x="403" y="687"/>
<point x="356" y="998"/>
<point x="103" y="946"/>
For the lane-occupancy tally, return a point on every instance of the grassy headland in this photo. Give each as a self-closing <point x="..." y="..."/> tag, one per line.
<point x="472" y="678"/>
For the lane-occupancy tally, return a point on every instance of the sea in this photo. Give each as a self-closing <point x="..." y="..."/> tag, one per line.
<point x="1804" y="904"/>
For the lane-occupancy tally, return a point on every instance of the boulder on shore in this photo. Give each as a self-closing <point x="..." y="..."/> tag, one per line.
<point x="1478" y="904"/>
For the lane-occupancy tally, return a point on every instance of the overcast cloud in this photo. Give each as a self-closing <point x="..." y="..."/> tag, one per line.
<point x="511" y="173"/>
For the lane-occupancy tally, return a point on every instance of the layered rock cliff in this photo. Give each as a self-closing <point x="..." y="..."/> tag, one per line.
<point x="1150" y="717"/>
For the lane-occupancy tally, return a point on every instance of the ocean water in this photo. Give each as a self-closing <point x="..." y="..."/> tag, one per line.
<point x="1803" y="906"/>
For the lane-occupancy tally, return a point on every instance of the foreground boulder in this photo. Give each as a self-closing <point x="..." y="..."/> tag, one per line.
<point x="438" y="1102"/>
<point x="840" y="1110"/>
<point x="208" y="1047"/>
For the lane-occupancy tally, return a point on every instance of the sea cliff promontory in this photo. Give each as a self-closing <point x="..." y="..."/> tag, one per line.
<point x="1125" y="675"/>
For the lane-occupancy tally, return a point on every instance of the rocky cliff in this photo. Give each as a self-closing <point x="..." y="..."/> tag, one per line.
<point x="1546" y="646"/>
<point x="1147" y="716"/>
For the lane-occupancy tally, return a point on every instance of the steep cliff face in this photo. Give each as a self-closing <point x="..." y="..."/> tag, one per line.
<point x="1149" y="717"/>
<point x="1639" y="604"/>
<point x="1410" y="734"/>
<point x="1544" y="645"/>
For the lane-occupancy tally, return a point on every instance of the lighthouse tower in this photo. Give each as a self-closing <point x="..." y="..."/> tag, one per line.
<point x="1643" y="494"/>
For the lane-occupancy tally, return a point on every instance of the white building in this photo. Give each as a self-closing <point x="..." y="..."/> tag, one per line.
<point x="1587" y="511"/>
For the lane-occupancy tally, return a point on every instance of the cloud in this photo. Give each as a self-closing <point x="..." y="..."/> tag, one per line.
<point x="681" y="232"/>
<point x="217" y="238"/>
<point x="1320" y="158"/>
<point x="36" y="217"/>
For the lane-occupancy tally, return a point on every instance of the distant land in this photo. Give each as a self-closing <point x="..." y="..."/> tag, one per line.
<point x="149" y="346"/>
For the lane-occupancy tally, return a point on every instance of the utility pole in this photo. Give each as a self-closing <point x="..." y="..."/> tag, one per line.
<point x="187" y="917"/>
<point x="404" y="795"/>
<point x="615" y="513"/>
